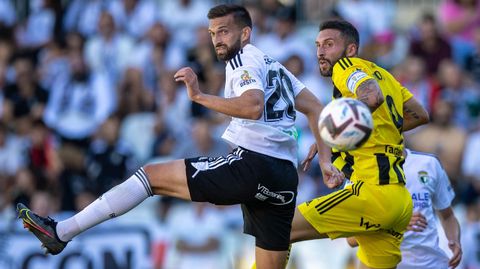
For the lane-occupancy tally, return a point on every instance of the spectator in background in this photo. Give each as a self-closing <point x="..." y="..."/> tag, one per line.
<point x="175" y="105"/>
<point x="25" y="95"/>
<point x="42" y="154"/>
<point x="162" y="232"/>
<point x="203" y="143"/>
<point x="39" y="28"/>
<point x="7" y="13"/>
<point x="25" y="184"/>
<point x="133" y="95"/>
<point x="134" y="17"/>
<point x="470" y="165"/>
<point x="44" y="202"/>
<point x="415" y="78"/>
<point x="52" y="63"/>
<point x="368" y="16"/>
<point x="155" y="54"/>
<point x="108" y="158"/>
<point x="12" y="147"/>
<point x="82" y="16"/>
<point x="461" y="92"/>
<point x="80" y="102"/>
<point x="285" y="40"/>
<point x="184" y="28"/>
<point x="164" y="143"/>
<point x="387" y="49"/>
<point x="198" y="232"/>
<point x="473" y="60"/>
<point x="109" y="50"/>
<point x="471" y="238"/>
<point x="430" y="45"/>
<point x="442" y="138"/>
<point x="6" y="109"/>
<point x="459" y="18"/>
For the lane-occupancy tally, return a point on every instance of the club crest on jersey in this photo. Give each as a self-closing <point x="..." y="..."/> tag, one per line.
<point x="423" y="177"/>
<point x="246" y="79"/>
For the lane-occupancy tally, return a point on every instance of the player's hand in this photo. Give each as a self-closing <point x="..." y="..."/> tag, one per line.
<point x="187" y="76"/>
<point x="332" y="177"/>
<point x="308" y="160"/>
<point x="417" y="223"/>
<point x="457" y="253"/>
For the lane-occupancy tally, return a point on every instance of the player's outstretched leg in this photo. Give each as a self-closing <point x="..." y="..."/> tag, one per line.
<point x="43" y="228"/>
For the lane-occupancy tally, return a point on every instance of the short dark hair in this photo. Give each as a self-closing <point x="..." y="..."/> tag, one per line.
<point x="348" y="31"/>
<point x="240" y="14"/>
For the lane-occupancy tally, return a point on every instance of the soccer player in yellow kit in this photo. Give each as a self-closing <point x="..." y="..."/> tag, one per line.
<point x="374" y="207"/>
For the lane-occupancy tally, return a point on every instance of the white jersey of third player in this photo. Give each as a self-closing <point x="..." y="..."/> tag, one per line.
<point x="430" y="188"/>
<point x="274" y="134"/>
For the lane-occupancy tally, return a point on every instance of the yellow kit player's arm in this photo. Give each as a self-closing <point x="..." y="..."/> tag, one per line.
<point x="413" y="114"/>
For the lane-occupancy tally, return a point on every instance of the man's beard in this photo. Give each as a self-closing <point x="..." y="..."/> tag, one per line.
<point x="231" y="51"/>
<point x="329" y="72"/>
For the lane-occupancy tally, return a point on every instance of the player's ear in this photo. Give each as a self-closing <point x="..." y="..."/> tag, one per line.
<point x="246" y="31"/>
<point x="352" y="50"/>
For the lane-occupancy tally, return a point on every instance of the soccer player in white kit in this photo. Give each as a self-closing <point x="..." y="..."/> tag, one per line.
<point x="262" y="97"/>
<point x="432" y="196"/>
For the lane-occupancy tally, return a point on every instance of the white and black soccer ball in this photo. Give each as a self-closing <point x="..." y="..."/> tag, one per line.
<point x="345" y="124"/>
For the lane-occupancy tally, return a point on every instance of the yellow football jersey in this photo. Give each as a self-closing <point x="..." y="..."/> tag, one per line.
<point x="379" y="160"/>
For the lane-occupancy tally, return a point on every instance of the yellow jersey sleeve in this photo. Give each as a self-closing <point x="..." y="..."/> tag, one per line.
<point x="348" y="74"/>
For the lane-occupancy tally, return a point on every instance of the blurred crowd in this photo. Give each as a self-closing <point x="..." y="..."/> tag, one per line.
<point x="87" y="96"/>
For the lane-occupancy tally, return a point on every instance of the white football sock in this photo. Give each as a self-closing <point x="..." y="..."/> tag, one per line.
<point x="113" y="203"/>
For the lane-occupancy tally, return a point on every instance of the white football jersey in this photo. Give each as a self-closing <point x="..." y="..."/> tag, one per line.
<point x="274" y="134"/>
<point x="430" y="188"/>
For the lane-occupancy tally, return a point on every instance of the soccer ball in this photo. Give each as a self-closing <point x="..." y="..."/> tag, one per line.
<point x="345" y="124"/>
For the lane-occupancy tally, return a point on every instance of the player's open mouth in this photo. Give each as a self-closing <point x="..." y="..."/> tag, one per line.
<point x="323" y="63"/>
<point x="220" y="48"/>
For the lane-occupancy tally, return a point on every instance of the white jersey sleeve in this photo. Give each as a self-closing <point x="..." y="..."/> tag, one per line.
<point x="245" y="78"/>
<point x="444" y="194"/>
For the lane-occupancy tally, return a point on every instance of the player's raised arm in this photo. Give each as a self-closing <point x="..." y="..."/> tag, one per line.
<point x="249" y="105"/>
<point x="413" y="114"/>
<point x="369" y="93"/>
<point x="309" y="105"/>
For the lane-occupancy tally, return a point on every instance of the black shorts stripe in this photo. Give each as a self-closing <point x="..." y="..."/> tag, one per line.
<point x="357" y="187"/>
<point x="335" y="202"/>
<point x="383" y="168"/>
<point x="333" y="197"/>
<point x="332" y="201"/>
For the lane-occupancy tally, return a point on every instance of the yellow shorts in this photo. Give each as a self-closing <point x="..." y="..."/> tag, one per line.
<point x="376" y="215"/>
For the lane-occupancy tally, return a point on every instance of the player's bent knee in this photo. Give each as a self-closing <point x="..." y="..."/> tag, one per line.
<point x="168" y="178"/>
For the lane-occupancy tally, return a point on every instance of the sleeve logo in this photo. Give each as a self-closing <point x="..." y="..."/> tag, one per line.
<point x="246" y="79"/>
<point x="354" y="78"/>
<point x="423" y="177"/>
